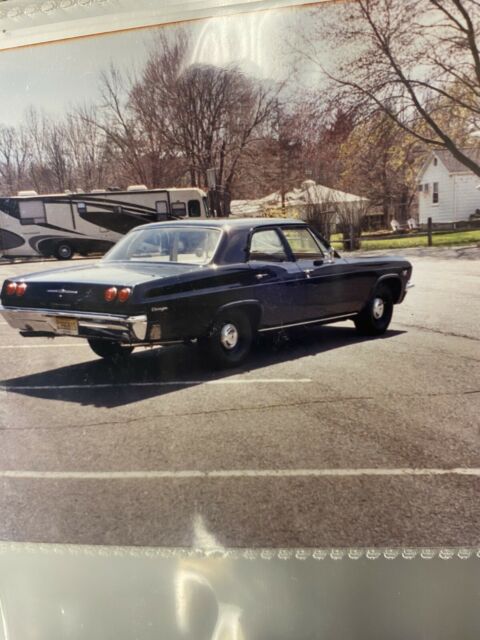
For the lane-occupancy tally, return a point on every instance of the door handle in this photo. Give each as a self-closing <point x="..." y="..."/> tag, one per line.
<point x="307" y="272"/>
<point x="260" y="276"/>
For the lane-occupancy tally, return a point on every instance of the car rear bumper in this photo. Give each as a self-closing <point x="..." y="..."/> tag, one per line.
<point x="43" y="322"/>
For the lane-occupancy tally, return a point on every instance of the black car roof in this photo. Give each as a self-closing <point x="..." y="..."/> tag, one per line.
<point x="220" y="223"/>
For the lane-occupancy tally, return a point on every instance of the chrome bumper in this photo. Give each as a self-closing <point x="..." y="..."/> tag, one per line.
<point x="90" y="325"/>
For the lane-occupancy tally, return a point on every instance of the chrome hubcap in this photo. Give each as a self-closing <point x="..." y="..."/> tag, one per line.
<point x="378" y="308"/>
<point x="229" y="336"/>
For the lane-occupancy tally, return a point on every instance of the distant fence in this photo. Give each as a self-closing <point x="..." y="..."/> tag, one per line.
<point x="428" y="232"/>
<point x="424" y="231"/>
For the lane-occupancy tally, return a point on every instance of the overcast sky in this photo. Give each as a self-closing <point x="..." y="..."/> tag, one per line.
<point x="55" y="76"/>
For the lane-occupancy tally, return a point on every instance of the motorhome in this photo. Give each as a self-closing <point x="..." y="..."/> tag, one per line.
<point x="63" y="224"/>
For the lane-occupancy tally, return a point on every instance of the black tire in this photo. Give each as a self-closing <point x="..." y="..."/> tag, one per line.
<point x="230" y="328"/>
<point x="63" y="251"/>
<point x="109" y="350"/>
<point x="375" y="318"/>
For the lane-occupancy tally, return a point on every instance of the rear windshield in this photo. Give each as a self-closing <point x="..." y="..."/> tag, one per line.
<point x="188" y="245"/>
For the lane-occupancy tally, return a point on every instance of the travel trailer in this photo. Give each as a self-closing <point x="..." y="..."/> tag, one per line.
<point x="63" y="224"/>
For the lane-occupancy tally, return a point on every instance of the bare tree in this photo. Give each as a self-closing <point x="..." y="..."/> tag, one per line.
<point x="321" y="216"/>
<point x="119" y="125"/>
<point x="220" y="115"/>
<point x="380" y="161"/>
<point x="87" y="148"/>
<point x="154" y="101"/>
<point x="204" y="116"/>
<point x="350" y="216"/>
<point x="417" y="61"/>
<point x="49" y="163"/>
<point x="13" y="159"/>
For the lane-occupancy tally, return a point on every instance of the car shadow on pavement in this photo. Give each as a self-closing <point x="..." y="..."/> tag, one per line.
<point x="158" y="372"/>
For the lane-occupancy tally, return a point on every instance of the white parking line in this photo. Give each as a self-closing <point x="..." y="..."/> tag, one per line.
<point x="169" y="383"/>
<point x="236" y="473"/>
<point x="43" y="346"/>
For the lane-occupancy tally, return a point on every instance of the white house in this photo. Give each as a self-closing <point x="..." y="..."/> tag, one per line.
<point x="447" y="190"/>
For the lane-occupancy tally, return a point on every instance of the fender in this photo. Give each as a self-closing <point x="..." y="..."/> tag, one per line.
<point x="390" y="276"/>
<point x="251" y="304"/>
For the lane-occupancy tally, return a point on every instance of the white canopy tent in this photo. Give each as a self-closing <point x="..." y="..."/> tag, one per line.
<point x="308" y="194"/>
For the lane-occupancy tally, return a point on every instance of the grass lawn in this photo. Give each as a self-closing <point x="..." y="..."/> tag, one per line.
<point x="439" y="240"/>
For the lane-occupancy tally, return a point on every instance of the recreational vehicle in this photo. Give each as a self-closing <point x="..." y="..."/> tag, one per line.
<point x="63" y="224"/>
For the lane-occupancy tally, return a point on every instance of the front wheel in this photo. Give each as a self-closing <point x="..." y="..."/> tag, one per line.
<point x="109" y="350"/>
<point x="230" y="339"/>
<point x="374" y="319"/>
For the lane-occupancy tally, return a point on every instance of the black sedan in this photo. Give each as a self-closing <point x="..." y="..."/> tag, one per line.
<point x="214" y="282"/>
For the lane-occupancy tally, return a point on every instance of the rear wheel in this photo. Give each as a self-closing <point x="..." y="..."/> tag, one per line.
<point x="63" y="251"/>
<point x="109" y="349"/>
<point x="374" y="319"/>
<point x="230" y="339"/>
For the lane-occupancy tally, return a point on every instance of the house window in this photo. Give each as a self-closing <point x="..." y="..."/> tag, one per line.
<point x="420" y="187"/>
<point x="435" y="197"/>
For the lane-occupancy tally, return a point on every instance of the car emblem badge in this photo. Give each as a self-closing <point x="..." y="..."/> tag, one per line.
<point x="61" y="291"/>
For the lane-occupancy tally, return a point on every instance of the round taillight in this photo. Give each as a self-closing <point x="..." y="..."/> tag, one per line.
<point x="110" y="294"/>
<point x="124" y="294"/>
<point x="11" y="288"/>
<point x="21" y="288"/>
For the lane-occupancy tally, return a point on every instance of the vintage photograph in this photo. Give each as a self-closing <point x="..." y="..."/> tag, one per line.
<point x="240" y="266"/>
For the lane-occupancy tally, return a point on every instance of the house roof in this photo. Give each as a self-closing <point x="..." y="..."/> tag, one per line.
<point x="318" y="194"/>
<point x="308" y="193"/>
<point x="452" y="164"/>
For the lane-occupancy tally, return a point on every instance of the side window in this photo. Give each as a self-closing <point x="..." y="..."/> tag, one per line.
<point x="194" y="209"/>
<point x="179" y="209"/>
<point x="267" y="246"/>
<point x="32" y="212"/>
<point x="435" y="193"/>
<point x="303" y="244"/>
<point x="161" y="207"/>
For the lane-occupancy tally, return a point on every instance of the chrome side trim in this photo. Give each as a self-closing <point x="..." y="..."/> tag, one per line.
<point x="301" y="324"/>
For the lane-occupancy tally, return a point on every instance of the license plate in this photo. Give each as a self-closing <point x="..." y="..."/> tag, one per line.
<point x="68" y="326"/>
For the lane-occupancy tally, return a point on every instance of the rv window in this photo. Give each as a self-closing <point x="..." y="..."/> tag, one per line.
<point x="194" y="209"/>
<point x="161" y="207"/>
<point x="179" y="209"/>
<point x="32" y="212"/>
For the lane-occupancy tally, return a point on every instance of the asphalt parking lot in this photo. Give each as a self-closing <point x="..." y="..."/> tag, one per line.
<point x="324" y="440"/>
